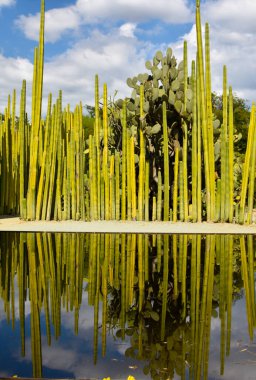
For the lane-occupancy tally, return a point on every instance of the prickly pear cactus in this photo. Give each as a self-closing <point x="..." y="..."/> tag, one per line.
<point x="164" y="82"/>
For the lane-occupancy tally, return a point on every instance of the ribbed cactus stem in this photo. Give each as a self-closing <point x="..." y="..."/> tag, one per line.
<point x="252" y="178"/>
<point x="231" y="156"/>
<point x="37" y="102"/>
<point x="124" y="162"/>
<point x="159" y="196"/>
<point x="141" y="159"/>
<point x="97" y="138"/>
<point x="245" y="175"/>
<point x="199" y="148"/>
<point x="224" y="158"/>
<point x="175" y="186"/>
<point x="185" y="134"/>
<point x="209" y="121"/>
<point x="39" y="202"/>
<point x="133" y="180"/>
<point x="194" y="146"/>
<point x="22" y="141"/>
<point x="105" y="151"/>
<point x="147" y="192"/>
<point x="117" y="185"/>
<point x="203" y="111"/>
<point x="181" y="192"/>
<point x="166" y="165"/>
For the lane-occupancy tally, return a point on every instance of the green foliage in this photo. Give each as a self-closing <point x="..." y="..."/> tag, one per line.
<point x="88" y="125"/>
<point x="241" y="119"/>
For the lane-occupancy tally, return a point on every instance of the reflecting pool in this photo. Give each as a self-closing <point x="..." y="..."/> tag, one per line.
<point x="151" y="306"/>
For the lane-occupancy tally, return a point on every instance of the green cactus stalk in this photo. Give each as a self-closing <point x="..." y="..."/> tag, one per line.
<point x="175" y="186"/>
<point x="36" y="119"/>
<point x="209" y="120"/>
<point x="159" y="196"/>
<point x="194" y="146"/>
<point x="124" y="164"/>
<point x="141" y="159"/>
<point x="117" y="185"/>
<point x="147" y="192"/>
<point x="48" y="166"/>
<point x="22" y="158"/>
<point x="185" y="134"/>
<point x="251" y="179"/>
<point x="97" y="140"/>
<point x="181" y="192"/>
<point x="245" y="175"/>
<point x="154" y="209"/>
<point x="166" y="166"/>
<point x="231" y="156"/>
<point x="199" y="148"/>
<point x="201" y="80"/>
<point x="41" y="184"/>
<point x="224" y="153"/>
<point x="112" y="188"/>
<point x="81" y="165"/>
<point x="53" y="166"/>
<point x="105" y="151"/>
<point x="133" y="180"/>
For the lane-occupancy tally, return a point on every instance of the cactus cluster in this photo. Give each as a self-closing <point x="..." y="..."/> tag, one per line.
<point x="159" y="154"/>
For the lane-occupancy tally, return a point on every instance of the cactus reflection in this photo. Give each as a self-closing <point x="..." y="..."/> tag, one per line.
<point x="161" y="291"/>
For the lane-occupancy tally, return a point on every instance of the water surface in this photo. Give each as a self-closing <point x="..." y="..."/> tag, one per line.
<point x="152" y="306"/>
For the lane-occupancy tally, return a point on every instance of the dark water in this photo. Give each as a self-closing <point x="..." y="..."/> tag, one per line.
<point x="154" y="307"/>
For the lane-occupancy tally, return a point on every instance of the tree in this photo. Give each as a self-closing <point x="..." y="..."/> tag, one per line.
<point x="241" y="119"/>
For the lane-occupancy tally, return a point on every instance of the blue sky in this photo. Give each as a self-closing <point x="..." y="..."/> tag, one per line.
<point x="114" y="38"/>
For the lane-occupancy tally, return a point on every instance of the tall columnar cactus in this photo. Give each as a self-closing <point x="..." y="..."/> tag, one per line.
<point x="141" y="159"/>
<point x="201" y="79"/>
<point x="194" y="147"/>
<point x="224" y="157"/>
<point x="41" y="184"/>
<point x="166" y="166"/>
<point x="175" y="187"/>
<point x="209" y="117"/>
<point x="231" y="155"/>
<point x="185" y="135"/>
<point x="252" y="178"/>
<point x="124" y="164"/>
<point x="22" y="156"/>
<point x="105" y="167"/>
<point x="36" y="118"/>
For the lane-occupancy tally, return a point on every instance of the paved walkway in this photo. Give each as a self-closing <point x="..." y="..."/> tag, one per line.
<point x="15" y="224"/>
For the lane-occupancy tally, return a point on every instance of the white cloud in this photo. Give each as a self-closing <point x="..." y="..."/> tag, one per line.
<point x="13" y="71"/>
<point x="57" y="22"/>
<point x="175" y="12"/>
<point x="6" y="3"/>
<point x="236" y="15"/>
<point x="88" y="12"/>
<point x="127" y="30"/>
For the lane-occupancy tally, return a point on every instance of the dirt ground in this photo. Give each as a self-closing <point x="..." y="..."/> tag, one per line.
<point x="15" y="224"/>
